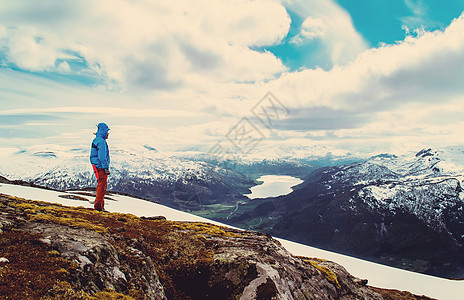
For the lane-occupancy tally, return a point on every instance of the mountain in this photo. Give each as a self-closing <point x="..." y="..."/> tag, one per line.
<point x="169" y="178"/>
<point x="60" y="252"/>
<point x="186" y="180"/>
<point x="405" y="211"/>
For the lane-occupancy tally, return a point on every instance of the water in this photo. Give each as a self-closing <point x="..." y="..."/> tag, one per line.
<point x="273" y="186"/>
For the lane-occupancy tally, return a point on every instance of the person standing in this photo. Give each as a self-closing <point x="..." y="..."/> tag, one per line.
<point x="100" y="160"/>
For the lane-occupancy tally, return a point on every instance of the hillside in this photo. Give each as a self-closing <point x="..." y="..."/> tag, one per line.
<point x="55" y="252"/>
<point x="405" y="211"/>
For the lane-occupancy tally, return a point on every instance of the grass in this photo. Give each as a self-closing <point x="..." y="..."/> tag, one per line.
<point x="222" y="211"/>
<point x="215" y="211"/>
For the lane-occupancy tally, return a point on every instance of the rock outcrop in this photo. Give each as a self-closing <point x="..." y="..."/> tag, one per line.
<point x="56" y="252"/>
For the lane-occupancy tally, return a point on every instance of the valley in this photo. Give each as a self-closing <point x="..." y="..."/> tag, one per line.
<point x="404" y="211"/>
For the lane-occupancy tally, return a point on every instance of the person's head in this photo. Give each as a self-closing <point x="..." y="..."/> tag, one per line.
<point x="103" y="130"/>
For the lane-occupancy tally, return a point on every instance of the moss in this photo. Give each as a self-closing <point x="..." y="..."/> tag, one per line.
<point x="202" y="229"/>
<point x="23" y="205"/>
<point x="68" y="221"/>
<point x="328" y="274"/>
<point x="128" y="219"/>
<point x="75" y="217"/>
<point x="30" y="211"/>
<point x="58" y="214"/>
<point x="110" y="295"/>
<point x="53" y="253"/>
<point x="62" y="271"/>
<point x="136" y="294"/>
<point x="31" y="271"/>
<point x="63" y="290"/>
<point x="308" y="259"/>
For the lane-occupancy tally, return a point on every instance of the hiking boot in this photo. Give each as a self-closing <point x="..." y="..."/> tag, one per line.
<point x="101" y="209"/>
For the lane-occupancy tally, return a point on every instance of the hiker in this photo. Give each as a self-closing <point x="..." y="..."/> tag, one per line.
<point x="100" y="160"/>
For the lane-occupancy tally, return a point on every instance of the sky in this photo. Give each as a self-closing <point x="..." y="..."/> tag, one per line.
<point x="236" y="75"/>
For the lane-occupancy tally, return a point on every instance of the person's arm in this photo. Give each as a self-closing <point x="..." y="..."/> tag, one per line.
<point x="103" y="156"/>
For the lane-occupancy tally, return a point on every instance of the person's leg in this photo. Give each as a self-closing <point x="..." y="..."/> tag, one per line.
<point x="101" y="190"/>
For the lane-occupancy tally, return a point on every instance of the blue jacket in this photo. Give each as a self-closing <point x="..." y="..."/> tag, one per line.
<point x="99" y="153"/>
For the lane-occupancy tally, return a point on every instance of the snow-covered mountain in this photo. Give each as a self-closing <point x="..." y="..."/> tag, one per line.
<point x="168" y="178"/>
<point x="428" y="185"/>
<point x="406" y="211"/>
<point x="187" y="180"/>
<point x="49" y="164"/>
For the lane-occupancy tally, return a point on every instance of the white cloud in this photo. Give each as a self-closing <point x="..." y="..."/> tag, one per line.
<point x="416" y="6"/>
<point x="197" y="57"/>
<point x="420" y="17"/>
<point x="149" y="44"/>
<point x="419" y="14"/>
<point x="310" y="29"/>
<point x="108" y="111"/>
<point x="63" y="67"/>
<point x="28" y="50"/>
<point x="331" y="25"/>
<point x="394" y="90"/>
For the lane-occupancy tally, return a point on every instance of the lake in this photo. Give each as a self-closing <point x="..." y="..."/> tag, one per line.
<point x="273" y="186"/>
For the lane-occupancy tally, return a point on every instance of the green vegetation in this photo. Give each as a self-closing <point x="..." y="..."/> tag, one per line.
<point x="215" y="211"/>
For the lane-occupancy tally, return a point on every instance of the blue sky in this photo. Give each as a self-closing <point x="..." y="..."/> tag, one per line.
<point x="378" y="22"/>
<point x="382" y="21"/>
<point x="351" y="72"/>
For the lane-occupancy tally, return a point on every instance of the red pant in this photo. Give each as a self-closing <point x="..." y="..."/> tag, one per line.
<point x="101" y="189"/>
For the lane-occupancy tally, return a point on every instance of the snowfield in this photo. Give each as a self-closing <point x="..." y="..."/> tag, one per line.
<point x="378" y="275"/>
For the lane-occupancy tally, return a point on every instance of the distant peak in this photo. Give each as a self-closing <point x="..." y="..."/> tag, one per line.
<point x="45" y="154"/>
<point x="425" y="152"/>
<point x="150" y="148"/>
<point x="384" y="155"/>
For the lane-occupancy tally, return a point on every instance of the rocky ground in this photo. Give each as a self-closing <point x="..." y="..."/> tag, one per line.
<point x="55" y="252"/>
